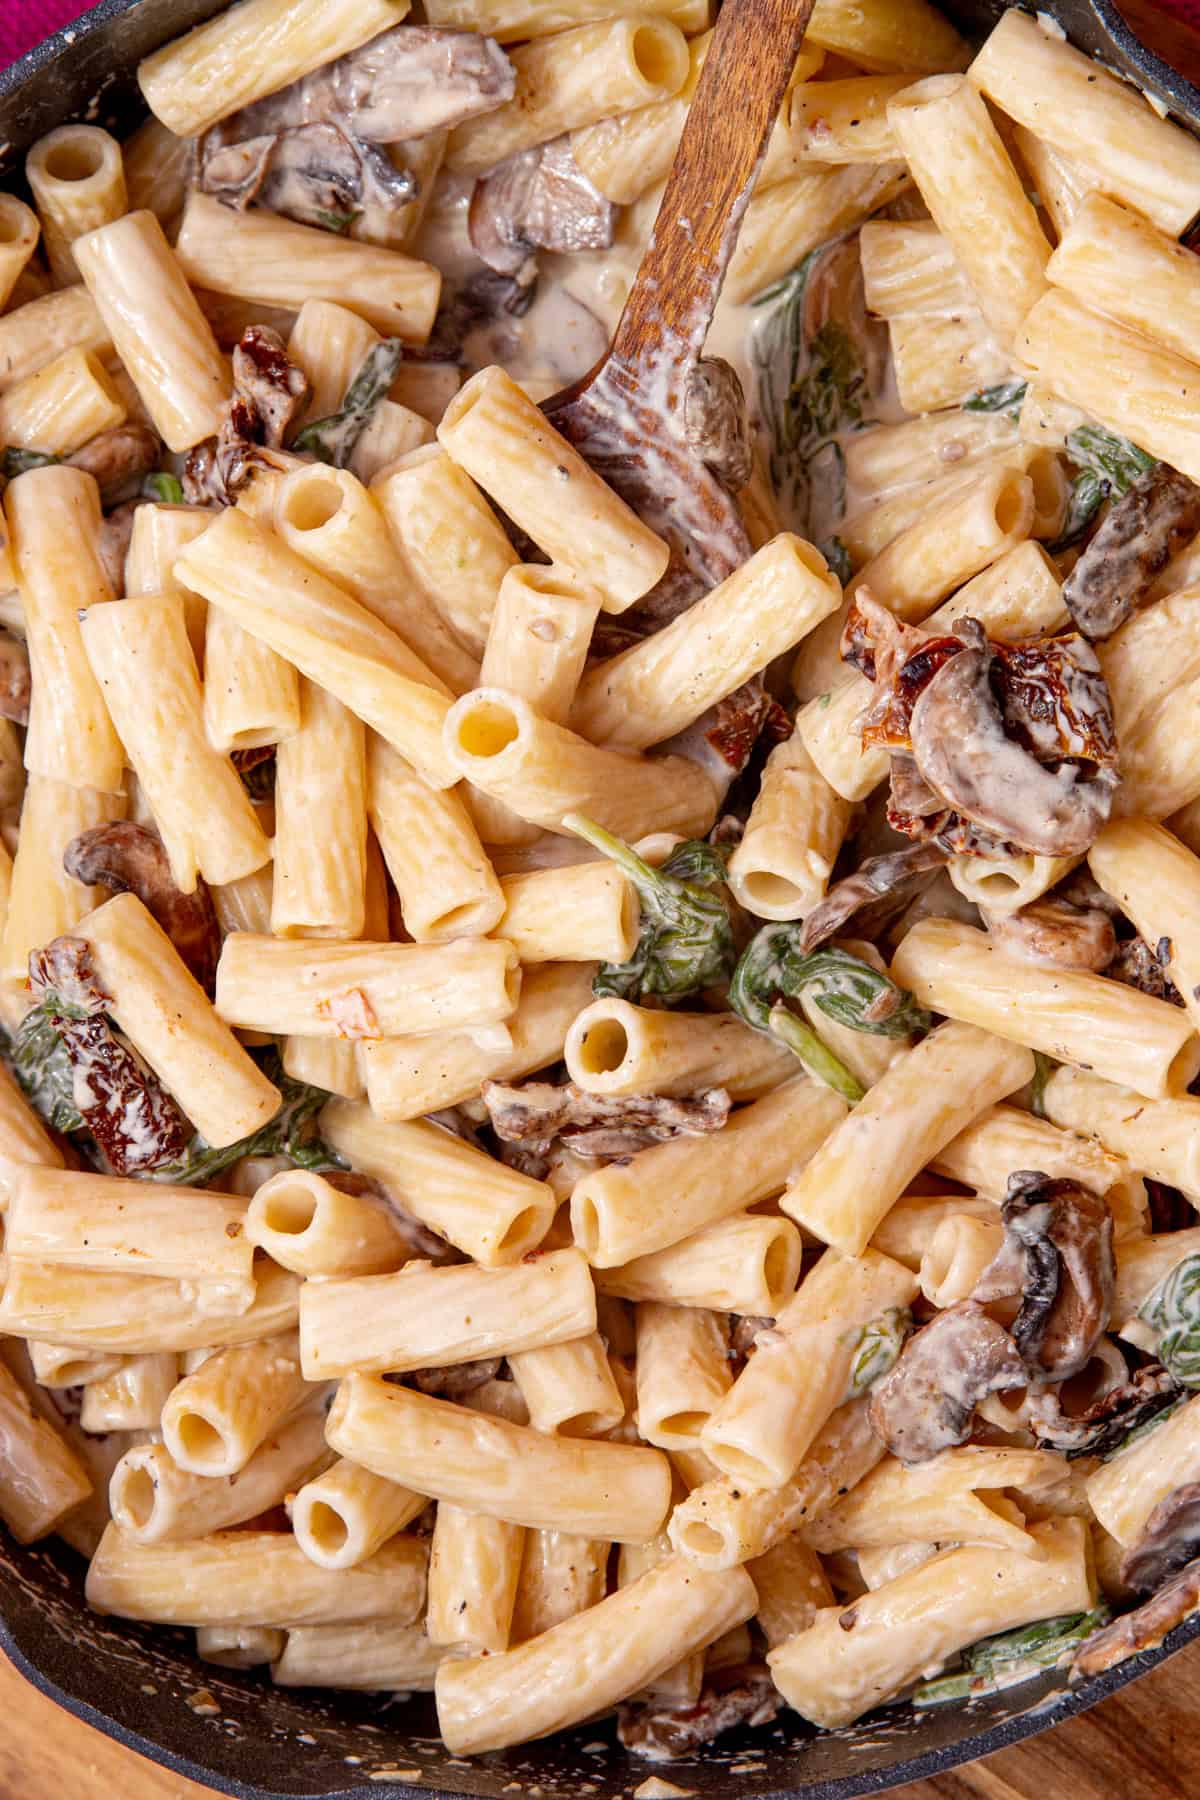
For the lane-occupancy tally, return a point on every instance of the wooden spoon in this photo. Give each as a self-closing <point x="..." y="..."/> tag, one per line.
<point x="627" y="415"/>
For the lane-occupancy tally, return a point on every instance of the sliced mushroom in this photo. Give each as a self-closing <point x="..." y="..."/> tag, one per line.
<point x="268" y="393"/>
<point x="596" y="1124"/>
<point x="1058" y="1256"/>
<point x="743" y="1695"/>
<point x="1143" y="530"/>
<point x="1144" y="966"/>
<point x="1053" y="932"/>
<point x="539" y="199"/>
<point x="15" y="682"/>
<point x="1103" y="1426"/>
<point x="1169" y="1540"/>
<point x="964" y="753"/>
<point x="1142" y="1629"/>
<point x="715" y="422"/>
<point x="878" y="888"/>
<point x="926" y="1404"/>
<point x="456" y="1381"/>
<point x="131" y="859"/>
<point x="317" y="174"/>
<point x="746" y="1333"/>
<point x="112" y="543"/>
<point x="117" y="457"/>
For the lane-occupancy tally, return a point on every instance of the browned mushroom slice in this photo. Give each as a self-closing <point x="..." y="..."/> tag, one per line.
<point x="746" y="1333"/>
<point x="118" y="456"/>
<point x="456" y="1381"/>
<point x="715" y="422"/>
<point x="926" y="1404"/>
<point x="131" y="859"/>
<point x="1100" y="1428"/>
<point x="14" y="679"/>
<point x="1143" y="530"/>
<point x="317" y="174"/>
<point x="597" y="1124"/>
<point x="1054" y="932"/>
<point x="1058" y="1256"/>
<point x="1144" y="966"/>
<point x="963" y="751"/>
<point x="539" y="199"/>
<point x="112" y="542"/>
<point x="1142" y="1629"/>
<point x="878" y="888"/>
<point x="744" y="1695"/>
<point x="404" y="83"/>
<point x="1169" y="1540"/>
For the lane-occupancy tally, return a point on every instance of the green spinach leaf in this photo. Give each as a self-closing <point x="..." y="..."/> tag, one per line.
<point x="332" y="440"/>
<point x="1173" y="1309"/>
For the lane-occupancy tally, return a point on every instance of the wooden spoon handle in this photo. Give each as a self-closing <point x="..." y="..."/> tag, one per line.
<point x="741" y="85"/>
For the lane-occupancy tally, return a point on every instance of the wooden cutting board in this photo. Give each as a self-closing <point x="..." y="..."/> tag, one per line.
<point x="1140" y="1745"/>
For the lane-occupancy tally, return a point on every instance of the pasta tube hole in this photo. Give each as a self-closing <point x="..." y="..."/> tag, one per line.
<point x="522" y="1230"/>
<point x="1185" y="1066"/>
<point x="700" y="1540"/>
<point x="487" y="729"/>
<point x="683" y="1427"/>
<point x="74" y="159"/>
<point x="585" y="1224"/>
<point x="133" y="1497"/>
<point x="771" y="895"/>
<point x="289" y="1211"/>
<point x="604" y="1047"/>
<point x="779" y="1270"/>
<point x="201" y="1442"/>
<point x="744" y="1467"/>
<point x="312" y="503"/>
<point x="660" y="56"/>
<point x="584" y="1424"/>
<point x="326" y="1528"/>
<point x="1011" y="504"/>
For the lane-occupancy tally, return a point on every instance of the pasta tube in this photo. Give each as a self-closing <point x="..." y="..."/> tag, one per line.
<point x="139" y="653"/>
<point x="1101" y="1025"/>
<point x="427" y="1317"/>
<point x="724" y="1522"/>
<point x="34" y="334"/>
<point x="513" y="21"/>
<point x="54" y="517"/>
<point x="785" y="222"/>
<point x="100" y="1222"/>
<point x="251" y="695"/>
<point x="770" y="1418"/>
<point x="306" y="1224"/>
<point x="320" y="847"/>
<point x="672" y="1190"/>
<point x="791" y="1586"/>
<point x="474" y="1567"/>
<point x="922" y="1101"/>
<point x="344" y="1515"/>
<point x="1004" y="1138"/>
<point x="682" y="1372"/>
<point x="446" y="884"/>
<point x="450" y="536"/>
<point x="624" y="1643"/>
<point x="155" y="1501"/>
<point x="159" y="534"/>
<point x="544" y="772"/>
<point x="958" y="1253"/>
<point x="1068" y="99"/>
<point x="505" y="443"/>
<point x="216" y="1417"/>
<point x="664" y="683"/>
<point x="230" y="1576"/>
<point x="411" y="1076"/>
<point x="24" y="1142"/>
<point x="494" y="1214"/>
<point x="967" y="532"/>
<point x="747" y="1264"/>
<point x="561" y="1575"/>
<point x="261" y="257"/>
<point x="392" y="1658"/>
<point x="42" y="1478"/>
<point x="957" y="1497"/>
<point x="1125" y="1490"/>
<point x="362" y="990"/>
<point x="77" y="179"/>
<point x="616" y="1048"/>
<point x="277" y="597"/>
<point x="221" y="1089"/>
<point x="44" y="902"/>
<point x="1156" y="881"/>
<point x="132" y="1397"/>
<point x="583" y="912"/>
<point x="140" y="1314"/>
<point x="569" y="1388"/>
<point x="241" y="56"/>
<point x="163" y="339"/>
<point x="573" y="79"/>
<point x="1113" y="260"/>
<point x="60" y="408"/>
<point x="792" y="838"/>
<point x="974" y="193"/>
<point x="1161" y="1138"/>
<point x="19" y="233"/>
<point x="583" y="1485"/>
<point x="912" y="1624"/>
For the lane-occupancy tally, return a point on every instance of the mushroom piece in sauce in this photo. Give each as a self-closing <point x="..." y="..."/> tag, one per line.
<point x="1141" y="1629"/>
<point x="1143" y="530"/>
<point x="1055" y="933"/>
<point x="715" y="421"/>
<point x="539" y="199"/>
<point x="15" y="681"/>
<point x="269" y="391"/>
<point x="745" y="1695"/>
<point x="1058" y="1256"/>
<point x="132" y="859"/>
<point x="1169" y="1540"/>
<point x="926" y="1404"/>
<point x="597" y="1124"/>
<point x="1102" y="1427"/>
<point x="879" y="888"/>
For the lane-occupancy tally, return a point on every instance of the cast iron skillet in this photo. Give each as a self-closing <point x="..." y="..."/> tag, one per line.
<point x="237" y="1733"/>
